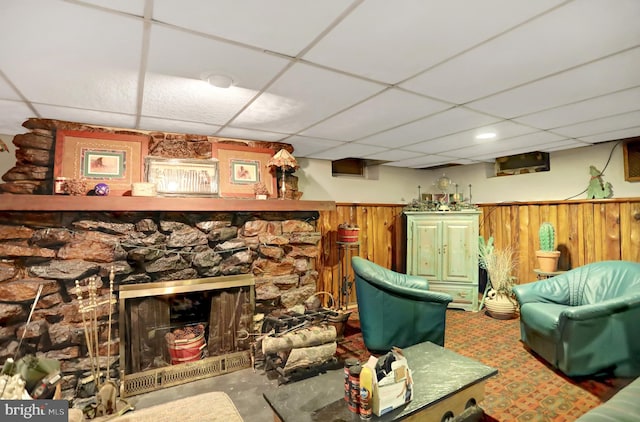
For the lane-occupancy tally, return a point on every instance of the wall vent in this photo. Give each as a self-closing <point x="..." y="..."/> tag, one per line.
<point x="530" y="162"/>
<point x="631" y="150"/>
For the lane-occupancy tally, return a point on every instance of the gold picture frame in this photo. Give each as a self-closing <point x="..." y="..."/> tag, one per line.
<point x="183" y="176"/>
<point x="101" y="157"/>
<point x="241" y="168"/>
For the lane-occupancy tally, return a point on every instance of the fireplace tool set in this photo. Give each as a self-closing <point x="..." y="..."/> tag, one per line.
<point x="107" y="391"/>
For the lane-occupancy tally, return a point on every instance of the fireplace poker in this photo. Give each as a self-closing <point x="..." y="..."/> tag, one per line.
<point x="87" y="333"/>
<point x="111" y="302"/>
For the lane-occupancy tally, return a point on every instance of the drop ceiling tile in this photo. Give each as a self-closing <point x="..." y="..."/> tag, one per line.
<point x="602" y="77"/>
<point x="516" y="145"/>
<point x="612" y="136"/>
<point x="303" y="96"/>
<point x="582" y="111"/>
<point x="192" y="100"/>
<point x="7" y="92"/>
<point x="604" y="125"/>
<point x="13" y="115"/>
<point x="305" y="147"/>
<point x="426" y="161"/>
<point x="440" y="124"/>
<point x="176" y="126"/>
<point x="177" y="53"/>
<point x="346" y="151"/>
<point x="391" y="155"/>
<point x="256" y="135"/>
<point x="503" y="130"/>
<point x="391" y="41"/>
<point x="134" y="7"/>
<point x="60" y="54"/>
<point x="388" y="109"/>
<point x="562" y="145"/>
<point x="285" y="26"/>
<point x="576" y="33"/>
<point x="91" y="117"/>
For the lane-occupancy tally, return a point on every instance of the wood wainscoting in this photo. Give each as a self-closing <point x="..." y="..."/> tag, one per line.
<point x="586" y="231"/>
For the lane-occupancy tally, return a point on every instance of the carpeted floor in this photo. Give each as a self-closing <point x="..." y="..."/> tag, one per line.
<point x="526" y="388"/>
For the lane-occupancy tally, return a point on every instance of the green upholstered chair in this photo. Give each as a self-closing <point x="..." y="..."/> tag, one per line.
<point x="397" y="309"/>
<point x="585" y="321"/>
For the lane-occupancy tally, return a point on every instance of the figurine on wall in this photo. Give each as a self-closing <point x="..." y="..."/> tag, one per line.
<point x="597" y="189"/>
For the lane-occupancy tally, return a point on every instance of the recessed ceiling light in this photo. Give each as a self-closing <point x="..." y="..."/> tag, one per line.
<point x="219" y="81"/>
<point x="486" y="135"/>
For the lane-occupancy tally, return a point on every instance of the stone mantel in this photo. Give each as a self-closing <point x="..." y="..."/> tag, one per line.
<point x="10" y="202"/>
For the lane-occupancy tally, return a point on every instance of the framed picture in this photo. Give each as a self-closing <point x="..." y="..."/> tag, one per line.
<point x="183" y="177"/>
<point x="241" y="168"/>
<point x="98" y="157"/>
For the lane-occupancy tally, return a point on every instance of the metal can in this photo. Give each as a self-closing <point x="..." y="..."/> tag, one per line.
<point x="354" y="388"/>
<point x="348" y="363"/>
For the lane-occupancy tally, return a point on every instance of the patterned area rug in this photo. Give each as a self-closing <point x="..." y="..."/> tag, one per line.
<point x="526" y="388"/>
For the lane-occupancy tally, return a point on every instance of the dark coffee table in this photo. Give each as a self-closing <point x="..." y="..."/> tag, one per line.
<point x="444" y="385"/>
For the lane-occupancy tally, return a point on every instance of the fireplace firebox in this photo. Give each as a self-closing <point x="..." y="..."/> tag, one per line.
<point x="176" y="332"/>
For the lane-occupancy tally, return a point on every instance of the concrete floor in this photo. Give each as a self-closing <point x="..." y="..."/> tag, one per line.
<point x="244" y="387"/>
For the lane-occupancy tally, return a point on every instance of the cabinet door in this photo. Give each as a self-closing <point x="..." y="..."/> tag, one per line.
<point x="459" y="254"/>
<point x="426" y="249"/>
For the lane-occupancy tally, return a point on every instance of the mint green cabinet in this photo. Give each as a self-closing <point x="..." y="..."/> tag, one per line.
<point x="443" y="248"/>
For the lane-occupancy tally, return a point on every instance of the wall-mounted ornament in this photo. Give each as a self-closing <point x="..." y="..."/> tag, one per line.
<point x="597" y="188"/>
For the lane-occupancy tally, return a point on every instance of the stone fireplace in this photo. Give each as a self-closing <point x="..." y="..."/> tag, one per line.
<point x="262" y="254"/>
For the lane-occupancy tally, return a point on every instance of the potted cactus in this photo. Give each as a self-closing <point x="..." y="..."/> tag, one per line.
<point x="547" y="254"/>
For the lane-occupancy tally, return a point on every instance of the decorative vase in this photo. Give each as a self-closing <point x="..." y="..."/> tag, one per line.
<point x="500" y="305"/>
<point x="548" y="261"/>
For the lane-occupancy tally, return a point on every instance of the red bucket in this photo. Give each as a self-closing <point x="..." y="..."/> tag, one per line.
<point x="348" y="235"/>
<point x="187" y="350"/>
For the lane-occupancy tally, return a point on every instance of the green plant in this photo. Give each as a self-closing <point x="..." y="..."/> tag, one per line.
<point x="547" y="236"/>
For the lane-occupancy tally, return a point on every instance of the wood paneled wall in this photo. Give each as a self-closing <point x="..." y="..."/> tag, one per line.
<point x="586" y="231"/>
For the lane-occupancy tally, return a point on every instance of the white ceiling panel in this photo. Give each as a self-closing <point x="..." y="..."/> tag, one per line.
<point x="176" y="126"/>
<point x="285" y="26"/>
<point x="582" y="111"/>
<point x="503" y="130"/>
<point x="304" y="146"/>
<point x="440" y="124"/>
<point x="305" y="94"/>
<point x="179" y="53"/>
<point x="388" y="109"/>
<point x="613" y="135"/>
<point x="391" y="155"/>
<point x="603" y="125"/>
<point x="347" y="151"/>
<point x="258" y="135"/>
<point x="598" y="78"/>
<point x="579" y="32"/>
<point x="177" y="98"/>
<point x="427" y="161"/>
<point x="84" y="67"/>
<point x="531" y="141"/>
<point x="392" y="40"/>
<point x="134" y="7"/>
<point x="7" y="92"/>
<point x="92" y="117"/>
<point x="13" y="115"/>
<point x="331" y="77"/>
<point x="562" y="145"/>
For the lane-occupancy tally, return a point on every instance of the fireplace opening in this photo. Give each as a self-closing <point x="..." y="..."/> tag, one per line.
<point x="179" y="331"/>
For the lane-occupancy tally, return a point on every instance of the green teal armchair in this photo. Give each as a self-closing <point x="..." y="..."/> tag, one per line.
<point x="397" y="309"/>
<point x="585" y="321"/>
